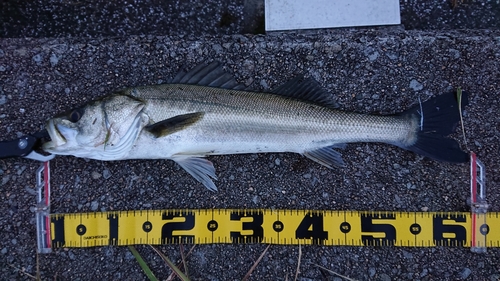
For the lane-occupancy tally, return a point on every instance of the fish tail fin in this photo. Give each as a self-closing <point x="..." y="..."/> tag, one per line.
<point x="438" y="118"/>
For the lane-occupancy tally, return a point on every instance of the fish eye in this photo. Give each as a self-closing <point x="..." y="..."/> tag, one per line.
<point x="75" y="115"/>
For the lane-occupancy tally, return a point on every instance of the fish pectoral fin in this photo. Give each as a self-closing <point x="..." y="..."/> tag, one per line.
<point x="174" y="124"/>
<point x="327" y="156"/>
<point x="200" y="168"/>
<point x="306" y="89"/>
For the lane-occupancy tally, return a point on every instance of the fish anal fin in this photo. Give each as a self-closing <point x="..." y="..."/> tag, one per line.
<point x="327" y="156"/>
<point x="200" y="168"/>
<point x="211" y="75"/>
<point x="306" y="89"/>
<point x="174" y="124"/>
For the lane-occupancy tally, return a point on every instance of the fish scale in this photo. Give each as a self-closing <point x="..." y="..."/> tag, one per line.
<point x="252" y="112"/>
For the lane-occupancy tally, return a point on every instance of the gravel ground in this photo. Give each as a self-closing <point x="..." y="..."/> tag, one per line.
<point x="97" y="18"/>
<point x="366" y="70"/>
<point x="370" y="71"/>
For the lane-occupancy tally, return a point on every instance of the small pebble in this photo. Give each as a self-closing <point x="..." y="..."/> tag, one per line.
<point x="5" y="180"/>
<point x="21" y="170"/>
<point x="424" y="272"/>
<point x="38" y="58"/>
<point x="384" y="277"/>
<point x="407" y="254"/>
<point x="409" y="185"/>
<point x="53" y="59"/>
<point x="455" y="53"/>
<point x="371" y="53"/>
<point x="415" y="85"/>
<point x="94" y="205"/>
<point x="263" y="83"/>
<point x="31" y="191"/>
<point x="71" y="255"/>
<point x="96" y="175"/>
<point x="372" y="271"/>
<point x="106" y="174"/>
<point x="217" y="48"/>
<point x="465" y="273"/>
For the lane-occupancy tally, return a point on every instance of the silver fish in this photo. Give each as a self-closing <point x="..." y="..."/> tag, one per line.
<point x="206" y="112"/>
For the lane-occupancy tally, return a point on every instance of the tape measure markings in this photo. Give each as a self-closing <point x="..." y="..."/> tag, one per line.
<point x="349" y="228"/>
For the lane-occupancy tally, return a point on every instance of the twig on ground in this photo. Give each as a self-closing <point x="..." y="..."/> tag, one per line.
<point x="255" y="264"/>
<point x="170" y="264"/>
<point x="298" y="264"/>
<point x="183" y="259"/>
<point x="335" y="273"/>
<point x="23" y="271"/>
<point x="172" y="275"/>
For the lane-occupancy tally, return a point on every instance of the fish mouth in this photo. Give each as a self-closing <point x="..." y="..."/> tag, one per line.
<point x="56" y="136"/>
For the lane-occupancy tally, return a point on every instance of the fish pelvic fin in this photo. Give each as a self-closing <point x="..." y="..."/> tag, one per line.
<point x="200" y="168"/>
<point x="327" y="156"/>
<point x="174" y="124"/>
<point x="436" y="119"/>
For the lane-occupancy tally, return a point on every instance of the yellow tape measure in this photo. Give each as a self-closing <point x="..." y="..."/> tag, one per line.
<point x="286" y="227"/>
<point x="477" y="229"/>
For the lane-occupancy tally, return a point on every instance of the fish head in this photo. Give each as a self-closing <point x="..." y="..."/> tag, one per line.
<point x="102" y="129"/>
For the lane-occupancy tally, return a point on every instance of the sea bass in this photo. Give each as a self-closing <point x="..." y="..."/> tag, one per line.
<point x="206" y="112"/>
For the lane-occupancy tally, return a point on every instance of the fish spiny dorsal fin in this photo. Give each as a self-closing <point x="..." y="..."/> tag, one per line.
<point x="174" y="124"/>
<point x="210" y="75"/>
<point x="306" y="89"/>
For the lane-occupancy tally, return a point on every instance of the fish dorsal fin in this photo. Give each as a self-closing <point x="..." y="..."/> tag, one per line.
<point x="174" y="124"/>
<point x="211" y="75"/>
<point x="327" y="156"/>
<point x="306" y="89"/>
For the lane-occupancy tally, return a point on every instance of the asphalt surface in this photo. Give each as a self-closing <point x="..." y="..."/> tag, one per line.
<point x="379" y="70"/>
<point x="100" y="18"/>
